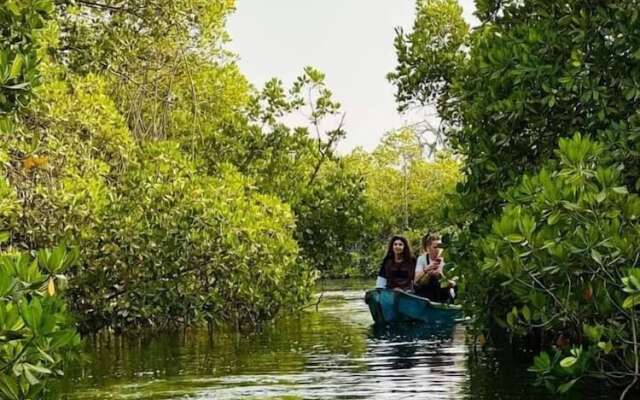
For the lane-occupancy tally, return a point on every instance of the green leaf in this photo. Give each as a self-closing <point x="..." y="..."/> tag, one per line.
<point x="620" y="190"/>
<point x="593" y="333"/>
<point x="9" y="387"/>
<point x="526" y="313"/>
<point x="16" y="67"/>
<point x="607" y="347"/>
<point x="57" y="258"/>
<point x="46" y="356"/>
<point x="7" y="283"/>
<point x="38" y="369"/>
<point x="30" y="377"/>
<point x="541" y="363"/>
<point x="596" y="256"/>
<point x="13" y="6"/>
<point x="553" y="218"/>
<point x="31" y="313"/>
<point x="565" y="387"/>
<point x="510" y="320"/>
<point x="568" y="362"/>
<point x="18" y="86"/>
<point x="634" y="278"/>
<point x="631" y="301"/>
<point x="515" y="238"/>
<point x="615" y="213"/>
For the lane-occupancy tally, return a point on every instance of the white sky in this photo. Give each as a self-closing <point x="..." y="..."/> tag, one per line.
<point x="351" y="41"/>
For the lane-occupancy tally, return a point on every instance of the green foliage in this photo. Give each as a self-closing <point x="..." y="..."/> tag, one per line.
<point x="286" y="160"/>
<point x="25" y="25"/>
<point x="521" y="84"/>
<point x="164" y="59"/>
<point x="125" y="36"/>
<point x="405" y="188"/>
<point x="561" y="248"/>
<point x="429" y="55"/>
<point x="526" y="86"/>
<point x="559" y="253"/>
<point x="180" y="249"/>
<point x="304" y="171"/>
<point x="70" y="146"/>
<point x="37" y="337"/>
<point x="121" y="157"/>
<point x="194" y="197"/>
<point x="334" y="222"/>
<point x="560" y="374"/>
<point x="404" y="192"/>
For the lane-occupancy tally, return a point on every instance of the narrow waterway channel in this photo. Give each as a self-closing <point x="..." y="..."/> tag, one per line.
<point x="332" y="353"/>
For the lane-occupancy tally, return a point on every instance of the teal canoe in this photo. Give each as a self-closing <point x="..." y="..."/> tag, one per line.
<point x="389" y="306"/>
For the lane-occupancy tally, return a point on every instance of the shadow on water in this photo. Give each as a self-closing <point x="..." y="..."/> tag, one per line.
<point x="403" y="341"/>
<point x="333" y="353"/>
<point x="413" y="332"/>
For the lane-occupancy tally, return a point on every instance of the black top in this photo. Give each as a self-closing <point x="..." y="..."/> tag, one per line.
<point x="382" y="272"/>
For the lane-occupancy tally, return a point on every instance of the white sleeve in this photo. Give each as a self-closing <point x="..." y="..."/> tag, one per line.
<point x="381" y="283"/>
<point x="421" y="264"/>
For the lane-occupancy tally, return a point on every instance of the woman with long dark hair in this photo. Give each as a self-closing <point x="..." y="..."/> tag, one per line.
<point x="398" y="266"/>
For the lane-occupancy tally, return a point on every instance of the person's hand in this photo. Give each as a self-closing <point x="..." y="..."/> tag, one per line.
<point x="434" y="273"/>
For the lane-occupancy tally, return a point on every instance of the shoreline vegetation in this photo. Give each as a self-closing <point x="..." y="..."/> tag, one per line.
<point x="146" y="184"/>
<point x="131" y="139"/>
<point x="540" y="100"/>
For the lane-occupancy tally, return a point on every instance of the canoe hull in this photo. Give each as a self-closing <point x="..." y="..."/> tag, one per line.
<point x="390" y="306"/>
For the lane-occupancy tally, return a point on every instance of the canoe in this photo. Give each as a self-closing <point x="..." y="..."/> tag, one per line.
<point x="389" y="306"/>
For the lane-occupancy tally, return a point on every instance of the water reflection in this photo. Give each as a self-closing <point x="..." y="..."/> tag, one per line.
<point x="332" y="353"/>
<point x="416" y="359"/>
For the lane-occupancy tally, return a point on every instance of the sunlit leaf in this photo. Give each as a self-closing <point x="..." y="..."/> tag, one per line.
<point x="568" y="362"/>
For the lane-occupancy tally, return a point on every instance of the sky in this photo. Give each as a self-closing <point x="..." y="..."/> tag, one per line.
<point x="351" y="41"/>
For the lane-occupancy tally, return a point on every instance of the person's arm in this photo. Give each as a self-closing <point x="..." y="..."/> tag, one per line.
<point x="420" y="268"/>
<point x="381" y="281"/>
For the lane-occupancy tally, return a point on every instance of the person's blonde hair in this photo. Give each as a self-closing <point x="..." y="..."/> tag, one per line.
<point x="428" y="238"/>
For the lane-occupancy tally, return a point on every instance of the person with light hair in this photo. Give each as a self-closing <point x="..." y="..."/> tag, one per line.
<point x="429" y="273"/>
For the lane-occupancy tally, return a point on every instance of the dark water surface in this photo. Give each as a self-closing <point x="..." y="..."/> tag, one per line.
<point x="332" y="353"/>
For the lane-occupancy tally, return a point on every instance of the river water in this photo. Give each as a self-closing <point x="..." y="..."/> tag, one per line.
<point x="334" y="352"/>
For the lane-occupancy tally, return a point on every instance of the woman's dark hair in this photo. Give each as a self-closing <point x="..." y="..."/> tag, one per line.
<point x="406" y="253"/>
<point x="428" y="238"/>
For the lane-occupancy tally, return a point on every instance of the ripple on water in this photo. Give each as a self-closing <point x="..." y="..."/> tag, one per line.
<point x="332" y="353"/>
